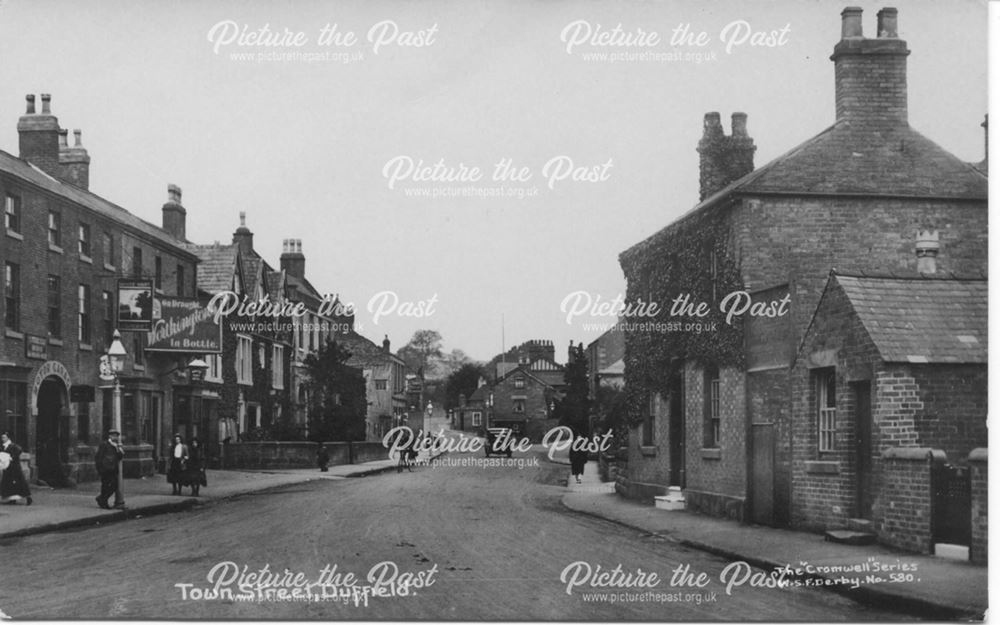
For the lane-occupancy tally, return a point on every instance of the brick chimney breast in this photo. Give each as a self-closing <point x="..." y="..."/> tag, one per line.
<point x="293" y="262"/>
<point x="723" y="159"/>
<point x="38" y="136"/>
<point x="74" y="160"/>
<point x="870" y="74"/>
<point x="174" y="214"/>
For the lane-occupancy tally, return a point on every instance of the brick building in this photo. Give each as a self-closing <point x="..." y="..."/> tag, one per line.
<point x="385" y="383"/>
<point x="64" y="249"/>
<point x="886" y="362"/>
<point x="713" y="404"/>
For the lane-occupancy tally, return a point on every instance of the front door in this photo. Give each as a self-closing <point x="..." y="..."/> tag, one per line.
<point x="51" y="434"/>
<point x="762" y="473"/>
<point x="863" y="448"/>
<point x="676" y="433"/>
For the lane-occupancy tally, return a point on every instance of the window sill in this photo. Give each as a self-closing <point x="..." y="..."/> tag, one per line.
<point x="13" y="334"/>
<point x="647" y="450"/>
<point x="824" y="467"/>
<point x="55" y="248"/>
<point x="56" y="342"/>
<point x="109" y="267"/>
<point x="15" y="235"/>
<point x="711" y="453"/>
<point x="86" y="259"/>
<point x="84" y="347"/>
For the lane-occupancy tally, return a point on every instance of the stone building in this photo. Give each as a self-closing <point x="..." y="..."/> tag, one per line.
<point x="713" y="405"/>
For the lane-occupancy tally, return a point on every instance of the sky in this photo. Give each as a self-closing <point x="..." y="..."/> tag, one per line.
<point x="359" y="127"/>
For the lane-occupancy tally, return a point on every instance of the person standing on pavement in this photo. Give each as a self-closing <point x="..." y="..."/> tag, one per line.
<point x="109" y="455"/>
<point x="13" y="486"/>
<point x="578" y="457"/>
<point x="323" y="458"/>
<point x="178" y="463"/>
<point x="194" y="475"/>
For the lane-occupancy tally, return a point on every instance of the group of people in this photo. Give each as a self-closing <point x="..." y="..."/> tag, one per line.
<point x="187" y="466"/>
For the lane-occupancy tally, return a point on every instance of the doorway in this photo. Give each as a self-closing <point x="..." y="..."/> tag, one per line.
<point x="52" y="434"/>
<point x="863" y="447"/>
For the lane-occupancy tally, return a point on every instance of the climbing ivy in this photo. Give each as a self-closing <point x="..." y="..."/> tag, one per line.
<point x="679" y="261"/>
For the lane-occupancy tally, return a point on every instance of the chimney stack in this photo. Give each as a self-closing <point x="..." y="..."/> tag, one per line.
<point x="174" y="214"/>
<point x="243" y="237"/>
<point x="38" y="136"/>
<point x="870" y="74"/>
<point x="293" y="262"/>
<point x="385" y="344"/>
<point x="74" y="160"/>
<point x="928" y="246"/>
<point x="723" y="159"/>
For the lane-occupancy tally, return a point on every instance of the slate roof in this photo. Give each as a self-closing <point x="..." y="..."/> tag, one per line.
<point x="364" y="351"/>
<point x="921" y="320"/>
<point x="32" y="174"/>
<point x="852" y="159"/>
<point x="217" y="266"/>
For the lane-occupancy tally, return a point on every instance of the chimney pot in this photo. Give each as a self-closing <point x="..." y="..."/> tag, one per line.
<point x="712" y="125"/>
<point x="850" y="25"/>
<point x="173" y="194"/>
<point x="243" y="219"/>
<point x="76" y="138"/>
<point x="31" y="104"/>
<point x="62" y="138"/>
<point x="887" y="23"/>
<point x="740" y="124"/>
<point x="46" y="99"/>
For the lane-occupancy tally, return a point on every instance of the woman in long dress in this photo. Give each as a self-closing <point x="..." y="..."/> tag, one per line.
<point x="194" y="475"/>
<point x="13" y="486"/>
<point x="178" y="463"/>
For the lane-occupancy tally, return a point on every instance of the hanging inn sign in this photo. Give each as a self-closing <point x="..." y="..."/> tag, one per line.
<point x="184" y="325"/>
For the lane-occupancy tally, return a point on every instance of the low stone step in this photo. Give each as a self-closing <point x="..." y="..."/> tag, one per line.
<point x="850" y="537"/>
<point x="951" y="552"/>
<point x="669" y="502"/>
<point x="860" y="525"/>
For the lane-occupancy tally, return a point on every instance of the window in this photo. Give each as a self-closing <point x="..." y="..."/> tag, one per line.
<point x="158" y="273"/>
<point x="109" y="249"/>
<point x="108" y="322"/>
<point x="277" y="366"/>
<point x="12" y="213"/>
<point x="55" y="310"/>
<point x="83" y="310"/>
<point x="519" y="382"/>
<point x="261" y="355"/>
<point x="214" y="372"/>
<point x="477" y="419"/>
<point x="13" y="419"/>
<point x="83" y="241"/>
<point x="244" y="365"/>
<point x="826" y="402"/>
<point x="518" y="405"/>
<point x="138" y="357"/>
<point x="55" y="229"/>
<point x="180" y="281"/>
<point x="713" y="416"/>
<point x="12" y="296"/>
<point x="137" y="262"/>
<point x="381" y="385"/>
<point x="648" y="422"/>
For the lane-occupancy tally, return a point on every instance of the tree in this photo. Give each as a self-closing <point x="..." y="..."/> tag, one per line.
<point x="450" y="363"/>
<point x="611" y="408"/>
<point x="573" y="410"/>
<point x="338" y="402"/>
<point x="420" y="352"/>
<point x="465" y="381"/>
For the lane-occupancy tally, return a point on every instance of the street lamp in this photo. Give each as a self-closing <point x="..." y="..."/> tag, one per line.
<point x="116" y="357"/>
<point x="197" y="369"/>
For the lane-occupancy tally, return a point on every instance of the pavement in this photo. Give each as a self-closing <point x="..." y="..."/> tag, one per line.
<point x="939" y="589"/>
<point x="64" y="508"/>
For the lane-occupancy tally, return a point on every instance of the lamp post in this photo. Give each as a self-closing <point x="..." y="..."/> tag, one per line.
<point x="116" y="357"/>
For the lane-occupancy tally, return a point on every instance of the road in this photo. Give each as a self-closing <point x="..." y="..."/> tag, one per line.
<point x="481" y="543"/>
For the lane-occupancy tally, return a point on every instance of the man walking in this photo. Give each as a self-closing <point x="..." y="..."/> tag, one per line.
<point x="109" y="454"/>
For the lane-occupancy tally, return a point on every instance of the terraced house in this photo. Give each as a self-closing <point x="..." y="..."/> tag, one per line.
<point x="858" y="238"/>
